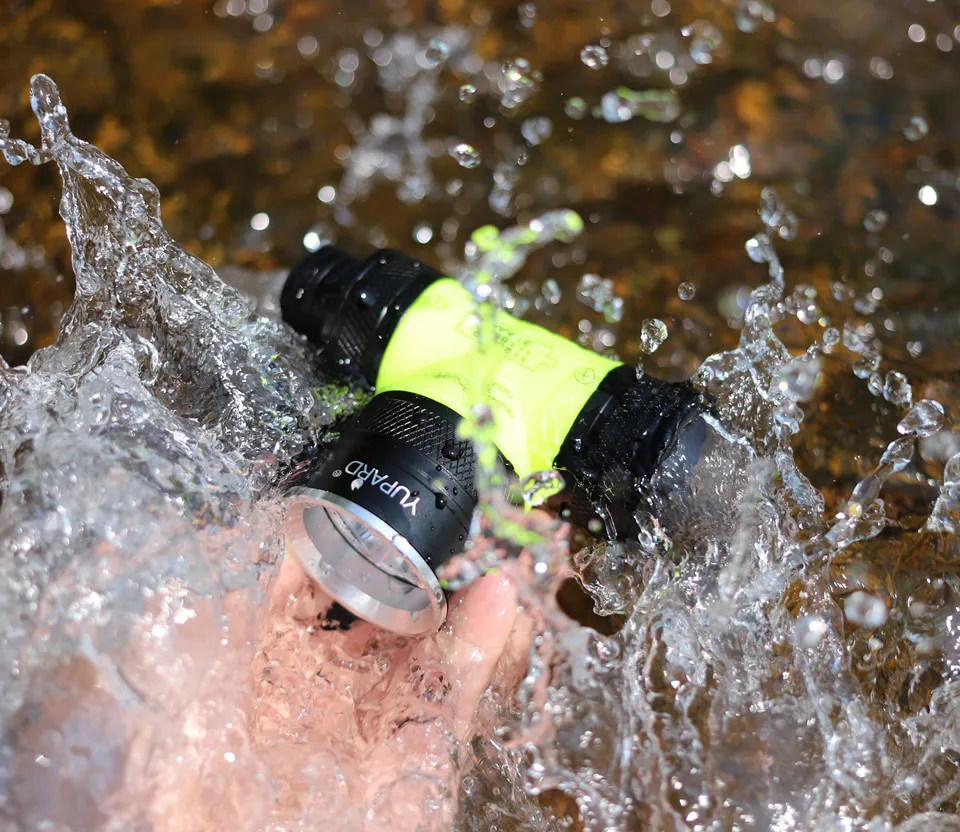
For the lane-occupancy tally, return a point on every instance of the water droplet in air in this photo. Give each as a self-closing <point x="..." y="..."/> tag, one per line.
<point x="598" y="293"/>
<point x="916" y="128"/>
<point x="536" y="130"/>
<point x="706" y="40"/>
<point x="516" y="83"/>
<point x="623" y="104"/>
<point x="466" y="155"/>
<point x="753" y="12"/>
<point x="810" y="630"/>
<point x="575" y="108"/>
<point x="653" y="332"/>
<point x="686" y="290"/>
<point x="898" y="455"/>
<point x="540" y="487"/>
<point x="865" y="609"/>
<point x="551" y="291"/>
<point x="468" y="93"/>
<point x="875" y="220"/>
<point x="436" y="53"/>
<point x="924" y="419"/>
<point x="865" y="367"/>
<point x="595" y="57"/>
<point x="776" y="216"/>
<point x="897" y="390"/>
<point x="759" y="249"/>
<point x="423" y="233"/>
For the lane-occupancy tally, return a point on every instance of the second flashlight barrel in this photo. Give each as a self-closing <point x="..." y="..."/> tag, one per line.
<point x="626" y="430"/>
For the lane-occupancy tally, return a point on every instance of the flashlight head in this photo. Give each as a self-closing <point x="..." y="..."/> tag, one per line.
<point x="350" y="308"/>
<point x="390" y="505"/>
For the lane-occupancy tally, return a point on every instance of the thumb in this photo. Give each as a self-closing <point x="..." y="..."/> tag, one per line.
<point x="477" y="631"/>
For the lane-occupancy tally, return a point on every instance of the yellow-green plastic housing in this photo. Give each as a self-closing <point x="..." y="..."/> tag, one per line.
<point x="537" y="382"/>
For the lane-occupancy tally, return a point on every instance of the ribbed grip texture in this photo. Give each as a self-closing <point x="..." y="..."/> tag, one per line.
<point x="405" y="421"/>
<point x="613" y="458"/>
<point x="349" y="309"/>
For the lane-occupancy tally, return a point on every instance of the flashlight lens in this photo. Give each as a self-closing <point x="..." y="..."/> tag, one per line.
<point x="364" y="564"/>
<point x="369" y="545"/>
<point x="364" y="556"/>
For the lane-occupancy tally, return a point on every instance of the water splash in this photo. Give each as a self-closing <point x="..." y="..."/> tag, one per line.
<point x="135" y="453"/>
<point x="729" y="694"/>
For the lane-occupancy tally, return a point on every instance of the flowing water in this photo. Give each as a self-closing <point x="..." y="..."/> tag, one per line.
<point x="778" y="650"/>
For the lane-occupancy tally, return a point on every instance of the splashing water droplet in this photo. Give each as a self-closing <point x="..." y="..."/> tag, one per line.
<point x="653" y="332"/>
<point x="536" y="130"/>
<point x="916" y="128"/>
<point x="466" y="155"/>
<point x="759" y="249"/>
<point x="925" y="418"/>
<point x="540" y="487"/>
<point x="594" y="57"/>
<point x="706" y="39"/>
<point x="686" y="291"/>
<point x="623" y="104"/>
<point x="436" y="53"/>
<point x="423" y="233"/>
<point x="875" y="220"/>
<point x="600" y="295"/>
<point x="516" y="83"/>
<point x="467" y="93"/>
<point x="897" y="390"/>
<point x="809" y="631"/>
<point x="775" y="215"/>
<point x="865" y="609"/>
<point x="897" y="455"/>
<point x="867" y="366"/>
<point x="551" y="291"/>
<point x="751" y="13"/>
<point x="575" y="108"/>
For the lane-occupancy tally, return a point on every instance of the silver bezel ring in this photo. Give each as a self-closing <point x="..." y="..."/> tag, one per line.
<point x="334" y="570"/>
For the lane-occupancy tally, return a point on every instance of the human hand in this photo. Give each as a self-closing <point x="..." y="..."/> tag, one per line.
<point x="382" y="719"/>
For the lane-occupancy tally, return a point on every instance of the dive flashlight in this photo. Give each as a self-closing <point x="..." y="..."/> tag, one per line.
<point x="393" y="499"/>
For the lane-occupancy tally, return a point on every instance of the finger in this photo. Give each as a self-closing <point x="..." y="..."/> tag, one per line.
<point x="516" y="656"/>
<point x="290" y="578"/>
<point x="477" y="631"/>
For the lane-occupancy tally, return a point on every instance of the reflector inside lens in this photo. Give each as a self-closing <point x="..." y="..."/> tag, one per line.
<point x="364" y="564"/>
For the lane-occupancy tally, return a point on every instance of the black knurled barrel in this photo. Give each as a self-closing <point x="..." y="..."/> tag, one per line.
<point x="349" y="308"/>
<point x="400" y="458"/>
